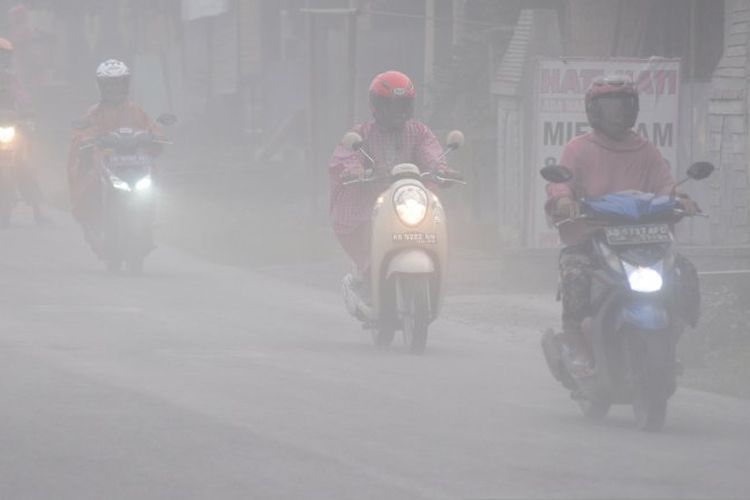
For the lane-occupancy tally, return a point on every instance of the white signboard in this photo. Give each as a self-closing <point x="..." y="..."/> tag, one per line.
<point x="560" y="115"/>
<point x="196" y="9"/>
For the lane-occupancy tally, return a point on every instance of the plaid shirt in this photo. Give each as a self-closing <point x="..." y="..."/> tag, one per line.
<point x="351" y="205"/>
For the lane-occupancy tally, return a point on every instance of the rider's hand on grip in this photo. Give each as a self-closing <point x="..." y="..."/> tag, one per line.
<point x="352" y="173"/>
<point x="451" y="174"/>
<point x="566" y="208"/>
<point x="688" y="205"/>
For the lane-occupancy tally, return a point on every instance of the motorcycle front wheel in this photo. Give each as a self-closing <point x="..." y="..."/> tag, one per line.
<point x="134" y="265"/>
<point x="655" y="381"/>
<point x="594" y="409"/>
<point x="415" y="311"/>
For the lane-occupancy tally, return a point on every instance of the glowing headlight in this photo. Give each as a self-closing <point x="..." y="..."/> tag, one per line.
<point x="143" y="184"/>
<point x="643" y="279"/>
<point x="411" y="204"/>
<point x="7" y="134"/>
<point x="118" y="183"/>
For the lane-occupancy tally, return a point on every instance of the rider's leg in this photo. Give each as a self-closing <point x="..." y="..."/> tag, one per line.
<point x="576" y="267"/>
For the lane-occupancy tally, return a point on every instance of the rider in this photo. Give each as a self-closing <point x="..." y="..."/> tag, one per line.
<point x="609" y="159"/>
<point x="14" y="98"/>
<point x="391" y="137"/>
<point x="115" y="110"/>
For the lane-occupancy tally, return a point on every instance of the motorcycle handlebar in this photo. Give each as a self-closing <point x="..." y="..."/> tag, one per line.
<point x="678" y="214"/>
<point x="347" y="181"/>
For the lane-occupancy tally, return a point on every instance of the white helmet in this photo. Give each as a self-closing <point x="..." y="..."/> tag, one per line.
<point x="112" y="68"/>
<point x="113" y="78"/>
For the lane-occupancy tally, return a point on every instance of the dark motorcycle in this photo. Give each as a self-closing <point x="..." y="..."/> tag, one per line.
<point x="637" y="312"/>
<point x="125" y="165"/>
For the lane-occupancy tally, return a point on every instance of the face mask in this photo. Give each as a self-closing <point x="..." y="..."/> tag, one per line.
<point x="393" y="113"/>
<point x="614" y="116"/>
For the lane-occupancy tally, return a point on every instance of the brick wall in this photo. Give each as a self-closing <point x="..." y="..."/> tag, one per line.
<point x="728" y="132"/>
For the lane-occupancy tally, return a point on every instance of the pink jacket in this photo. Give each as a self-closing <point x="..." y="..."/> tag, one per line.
<point x="351" y="205"/>
<point x="602" y="166"/>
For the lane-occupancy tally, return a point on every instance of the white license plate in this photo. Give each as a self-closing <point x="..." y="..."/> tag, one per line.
<point x="638" y="235"/>
<point x="419" y="238"/>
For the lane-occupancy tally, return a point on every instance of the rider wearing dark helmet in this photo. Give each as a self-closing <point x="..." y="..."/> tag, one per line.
<point x="609" y="159"/>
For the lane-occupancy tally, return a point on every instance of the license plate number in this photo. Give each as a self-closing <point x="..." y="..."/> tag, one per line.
<point x="423" y="238"/>
<point x="638" y="235"/>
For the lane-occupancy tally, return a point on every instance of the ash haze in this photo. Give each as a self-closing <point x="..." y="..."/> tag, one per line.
<point x="302" y="249"/>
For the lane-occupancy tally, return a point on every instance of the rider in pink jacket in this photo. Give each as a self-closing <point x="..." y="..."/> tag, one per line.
<point x="609" y="159"/>
<point x="390" y="138"/>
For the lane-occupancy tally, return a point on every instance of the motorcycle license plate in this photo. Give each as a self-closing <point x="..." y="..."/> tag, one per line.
<point x="638" y="235"/>
<point x="425" y="238"/>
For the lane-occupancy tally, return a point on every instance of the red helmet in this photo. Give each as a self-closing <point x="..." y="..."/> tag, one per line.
<point x="617" y="87"/>
<point x="392" y="99"/>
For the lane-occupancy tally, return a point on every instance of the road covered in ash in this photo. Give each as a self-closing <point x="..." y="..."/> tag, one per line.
<point x="200" y="381"/>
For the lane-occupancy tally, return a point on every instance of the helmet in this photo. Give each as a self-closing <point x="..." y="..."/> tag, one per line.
<point x="620" y="114"/>
<point x="113" y="78"/>
<point x="392" y="99"/>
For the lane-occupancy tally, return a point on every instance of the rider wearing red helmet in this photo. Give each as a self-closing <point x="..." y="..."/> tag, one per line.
<point x="391" y="137"/>
<point x="609" y="159"/>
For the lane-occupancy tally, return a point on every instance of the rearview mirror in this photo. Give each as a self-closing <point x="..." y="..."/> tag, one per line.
<point x="352" y="140"/>
<point x="556" y="174"/>
<point x="700" y="170"/>
<point x="167" y="119"/>
<point x="455" y="139"/>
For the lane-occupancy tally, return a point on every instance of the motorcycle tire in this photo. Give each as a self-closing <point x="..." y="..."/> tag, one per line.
<point x="416" y="312"/>
<point x="594" y="409"/>
<point x="656" y="382"/>
<point x="382" y="336"/>
<point x="134" y="266"/>
<point x="114" y="265"/>
<point x="650" y="410"/>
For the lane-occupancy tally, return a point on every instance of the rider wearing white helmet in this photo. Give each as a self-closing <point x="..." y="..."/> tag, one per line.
<point x="113" y="79"/>
<point x="115" y="110"/>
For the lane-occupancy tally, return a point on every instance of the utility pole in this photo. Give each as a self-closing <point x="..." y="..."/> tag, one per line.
<point x="351" y="29"/>
<point x="429" y="52"/>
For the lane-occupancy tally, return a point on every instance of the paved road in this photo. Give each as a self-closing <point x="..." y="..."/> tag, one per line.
<point x="198" y="381"/>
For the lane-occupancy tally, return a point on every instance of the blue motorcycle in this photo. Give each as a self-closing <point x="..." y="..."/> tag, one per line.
<point x="637" y="317"/>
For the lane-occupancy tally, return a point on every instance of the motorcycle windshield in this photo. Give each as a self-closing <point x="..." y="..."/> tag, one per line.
<point x="631" y="206"/>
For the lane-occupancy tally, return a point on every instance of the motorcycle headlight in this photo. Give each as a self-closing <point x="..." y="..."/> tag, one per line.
<point x="644" y="279"/>
<point x="144" y="184"/>
<point x="7" y="134"/>
<point x="411" y="204"/>
<point x="118" y="183"/>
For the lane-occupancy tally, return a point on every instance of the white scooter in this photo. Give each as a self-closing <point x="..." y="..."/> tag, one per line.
<point x="408" y="253"/>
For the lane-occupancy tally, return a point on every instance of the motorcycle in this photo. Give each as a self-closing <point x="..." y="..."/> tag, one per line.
<point x="637" y="313"/>
<point x="125" y="169"/>
<point x="12" y="143"/>
<point x="408" y="253"/>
